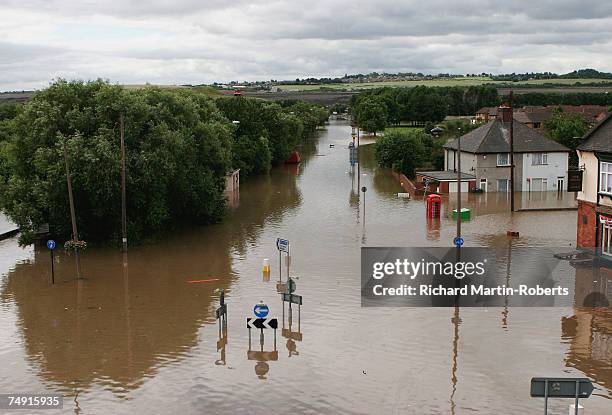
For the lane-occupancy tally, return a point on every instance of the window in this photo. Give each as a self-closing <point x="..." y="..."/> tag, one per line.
<point x="606" y="235"/>
<point x="539" y="159"/>
<point x="502" y="185"/>
<point x="605" y="183"/>
<point x="503" y="159"/>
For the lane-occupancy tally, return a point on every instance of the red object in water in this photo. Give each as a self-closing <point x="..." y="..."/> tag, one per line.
<point x="210" y="280"/>
<point x="294" y="158"/>
<point x="434" y="205"/>
<point x="237" y="93"/>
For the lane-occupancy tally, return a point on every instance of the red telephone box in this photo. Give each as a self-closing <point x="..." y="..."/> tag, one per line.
<point x="434" y="205"/>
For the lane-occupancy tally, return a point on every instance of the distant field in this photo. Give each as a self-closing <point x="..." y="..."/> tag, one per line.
<point x="436" y="82"/>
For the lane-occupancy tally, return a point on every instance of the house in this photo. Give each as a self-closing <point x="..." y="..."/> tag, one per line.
<point x="536" y="116"/>
<point x="485" y="114"/>
<point x="595" y="199"/>
<point x="541" y="164"/>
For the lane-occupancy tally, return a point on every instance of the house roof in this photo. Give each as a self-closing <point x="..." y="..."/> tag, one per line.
<point x="487" y="110"/>
<point x="599" y="138"/>
<point x="447" y="175"/>
<point x="494" y="137"/>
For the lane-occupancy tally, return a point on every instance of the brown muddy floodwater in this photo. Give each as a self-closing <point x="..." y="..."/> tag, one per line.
<point x="141" y="339"/>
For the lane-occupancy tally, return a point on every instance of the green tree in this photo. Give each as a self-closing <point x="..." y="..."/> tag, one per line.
<point x="372" y="114"/>
<point x="567" y="129"/>
<point x="178" y="153"/>
<point x="402" y="150"/>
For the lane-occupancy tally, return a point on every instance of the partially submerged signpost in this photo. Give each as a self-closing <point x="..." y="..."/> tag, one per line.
<point x="561" y="388"/>
<point x="221" y="314"/>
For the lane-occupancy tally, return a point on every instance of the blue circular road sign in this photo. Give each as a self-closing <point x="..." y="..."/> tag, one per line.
<point x="261" y="310"/>
<point x="458" y="241"/>
<point x="51" y="244"/>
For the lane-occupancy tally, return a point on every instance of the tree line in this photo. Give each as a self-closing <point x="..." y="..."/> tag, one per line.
<point x="180" y="145"/>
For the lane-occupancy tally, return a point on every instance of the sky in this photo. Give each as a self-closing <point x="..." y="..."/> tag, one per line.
<point x="203" y="41"/>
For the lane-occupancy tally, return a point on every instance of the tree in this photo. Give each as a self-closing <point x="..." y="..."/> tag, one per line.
<point x="567" y="129"/>
<point x="177" y="147"/>
<point x="402" y="150"/>
<point x="372" y="114"/>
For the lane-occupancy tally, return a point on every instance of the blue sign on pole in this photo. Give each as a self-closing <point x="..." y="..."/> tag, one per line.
<point x="458" y="241"/>
<point x="282" y="245"/>
<point x="51" y="244"/>
<point x="261" y="310"/>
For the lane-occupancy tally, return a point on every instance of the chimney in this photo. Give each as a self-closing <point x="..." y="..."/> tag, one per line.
<point x="504" y="113"/>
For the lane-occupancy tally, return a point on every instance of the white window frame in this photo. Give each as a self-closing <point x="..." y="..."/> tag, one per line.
<point x="507" y="185"/>
<point x="605" y="178"/>
<point x="606" y="235"/>
<point x="507" y="163"/>
<point x="539" y="159"/>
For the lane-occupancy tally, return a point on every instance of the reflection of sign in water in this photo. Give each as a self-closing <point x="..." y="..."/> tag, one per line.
<point x="574" y="181"/>
<point x="282" y="245"/>
<point x="261" y="310"/>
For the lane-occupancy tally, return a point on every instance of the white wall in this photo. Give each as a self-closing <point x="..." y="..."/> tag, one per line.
<point x="468" y="161"/>
<point x="589" y="177"/>
<point x="556" y="167"/>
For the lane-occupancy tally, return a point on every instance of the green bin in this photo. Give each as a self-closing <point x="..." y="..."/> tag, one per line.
<point x="465" y="214"/>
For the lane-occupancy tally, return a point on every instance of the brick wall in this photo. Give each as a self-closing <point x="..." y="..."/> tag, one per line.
<point x="587" y="223"/>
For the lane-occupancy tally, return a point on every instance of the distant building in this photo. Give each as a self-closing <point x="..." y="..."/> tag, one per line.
<point x="536" y="116"/>
<point x="595" y="199"/>
<point x="485" y="114"/>
<point x="540" y="163"/>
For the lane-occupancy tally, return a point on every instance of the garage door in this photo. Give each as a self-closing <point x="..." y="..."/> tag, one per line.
<point x="536" y="185"/>
<point x="452" y="187"/>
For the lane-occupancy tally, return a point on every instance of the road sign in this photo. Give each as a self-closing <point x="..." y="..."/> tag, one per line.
<point x="51" y="244"/>
<point x="261" y="310"/>
<point x="561" y="387"/>
<point x="262" y="323"/>
<point x="364" y="189"/>
<point x="458" y="241"/>
<point x="282" y="245"/>
<point x="292" y="298"/>
<point x="290" y="285"/>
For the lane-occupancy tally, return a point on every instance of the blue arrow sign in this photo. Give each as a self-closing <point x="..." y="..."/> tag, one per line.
<point x="51" y="244"/>
<point x="458" y="241"/>
<point x="261" y="310"/>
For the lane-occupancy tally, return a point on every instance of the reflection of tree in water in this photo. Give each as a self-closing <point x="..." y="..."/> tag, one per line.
<point x="120" y="325"/>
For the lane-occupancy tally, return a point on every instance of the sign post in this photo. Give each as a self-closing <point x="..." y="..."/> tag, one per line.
<point x="575" y="388"/>
<point x="51" y="246"/>
<point x="283" y="246"/>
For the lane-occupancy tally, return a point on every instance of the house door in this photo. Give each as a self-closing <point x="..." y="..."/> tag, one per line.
<point x="536" y="185"/>
<point x="483" y="185"/>
<point x="560" y="184"/>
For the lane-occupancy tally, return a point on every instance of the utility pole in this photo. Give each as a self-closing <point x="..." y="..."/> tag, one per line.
<point x="75" y="235"/>
<point x="123" y="209"/>
<point x="459" y="184"/>
<point x="511" y="153"/>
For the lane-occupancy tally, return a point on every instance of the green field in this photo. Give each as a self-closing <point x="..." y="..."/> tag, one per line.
<point x="437" y="82"/>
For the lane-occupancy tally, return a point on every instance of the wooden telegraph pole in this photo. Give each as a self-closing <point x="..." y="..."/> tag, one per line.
<point x="123" y="208"/>
<point x="75" y="234"/>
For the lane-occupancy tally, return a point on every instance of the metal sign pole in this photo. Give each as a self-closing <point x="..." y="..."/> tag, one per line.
<point x="546" y="397"/>
<point x="280" y="266"/>
<point x="576" y="401"/>
<point x="52" y="268"/>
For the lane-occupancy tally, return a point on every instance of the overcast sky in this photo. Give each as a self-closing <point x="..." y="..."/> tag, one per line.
<point x="202" y="41"/>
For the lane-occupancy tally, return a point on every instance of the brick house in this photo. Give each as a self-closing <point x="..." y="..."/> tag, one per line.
<point x="595" y="199"/>
<point x="540" y="163"/>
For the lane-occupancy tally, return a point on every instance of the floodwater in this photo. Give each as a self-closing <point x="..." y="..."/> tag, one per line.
<point x="136" y="337"/>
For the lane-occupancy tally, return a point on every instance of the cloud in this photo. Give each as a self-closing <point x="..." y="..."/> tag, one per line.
<point x="195" y="41"/>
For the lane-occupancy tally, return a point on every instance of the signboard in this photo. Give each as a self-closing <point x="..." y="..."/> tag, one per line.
<point x="458" y="241"/>
<point x="561" y="387"/>
<point x="261" y="310"/>
<point x="282" y="245"/>
<point x="292" y="298"/>
<point x="51" y="244"/>
<point x="262" y="323"/>
<point x="574" y="180"/>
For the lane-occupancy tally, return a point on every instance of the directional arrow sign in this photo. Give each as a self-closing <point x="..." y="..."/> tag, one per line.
<point x="261" y="310"/>
<point x="292" y="298"/>
<point x="561" y="387"/>
<point x="221" y="310"/>
<point x="262" y="323"/>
